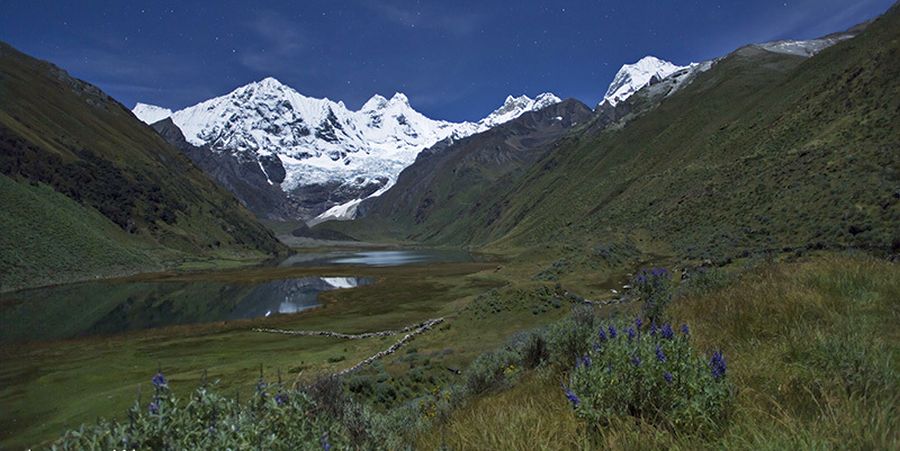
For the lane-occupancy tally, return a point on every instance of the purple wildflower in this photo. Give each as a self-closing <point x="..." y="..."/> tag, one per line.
<point x="281" y="399"/>
<point x="660" y="272"/>
<point x="660" y="355"/>
<point x="586" y="361"/>
<point x="636" y="360"/>
<point x="717" y="365"/>
<point x="158" y="380"/>
<point x="612" y="332"/>
<point x="325" y="445"/>
<point x="638" y="323"/>
<point x="153" y="408"/>
<point x="573" y="398"/>
<point x="653" y="328"/>
<point x="668" y="377"/>
<point x="630" y="333"/>
<point x="684" y="330"/>
<point x="602" y="335"/>
<point x="667" y="332"/>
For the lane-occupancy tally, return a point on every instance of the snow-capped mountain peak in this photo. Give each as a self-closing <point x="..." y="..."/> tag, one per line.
<point x="150" y="114"/>
<point x="400" y="97"/>
<point x="514" y="107"/>
<point x="377" y="102"/>
<point x="632" y="77"/>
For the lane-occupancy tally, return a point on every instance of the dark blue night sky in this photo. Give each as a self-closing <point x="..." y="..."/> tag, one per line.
<point x="454" y="59"/>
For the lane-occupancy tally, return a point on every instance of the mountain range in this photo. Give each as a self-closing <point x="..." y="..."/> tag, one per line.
<point x="321" y="154"/>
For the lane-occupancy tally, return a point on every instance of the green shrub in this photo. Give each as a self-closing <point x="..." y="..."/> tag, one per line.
<point x="274" y="418"/>
<point x="492" y="371"/>
<point x="531" y="348"/>
<point x="652" y="374"/>
<point x="569" y="339"/>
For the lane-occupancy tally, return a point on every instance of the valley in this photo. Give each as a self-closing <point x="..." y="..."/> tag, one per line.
<point x="706" y="258"/>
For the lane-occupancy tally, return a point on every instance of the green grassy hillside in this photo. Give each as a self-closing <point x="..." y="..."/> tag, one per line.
<point x="140" y="202"/>
<point x="445" y="185"/>
<point x="45" y="232"/>
<point x="764" y="152"/>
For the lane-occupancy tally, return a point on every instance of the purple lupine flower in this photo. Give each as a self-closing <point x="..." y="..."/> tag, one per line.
<point x="660" y="272"/>
<point x="653" y="328"/>
<point x="571" y="396"/>
<point x="638" y="323"/>
<point x="281" y="399"/>
<point x="158" y="380"/>
<point x="630" y="332"/>
<point x="586" y="361"/>
<point x="612" y="332"/>
<point x="596" y="347"/>
<point x="667" y="332"/>
<point x="325" y="445"/>
<point x="717" y="365"/>
<point x="660" y="355"/>
<point x="684" y="330"/>
<point x="602" y="335"/>
<point x="261" y="388"/>
<point x="636" y="360"/>
<point x="668" y="377"/>
<point x="640" y="279"/>
<point x="153" y="408"/>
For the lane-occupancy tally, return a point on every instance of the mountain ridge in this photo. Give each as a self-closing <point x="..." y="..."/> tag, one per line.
<point x="329" y="154"/>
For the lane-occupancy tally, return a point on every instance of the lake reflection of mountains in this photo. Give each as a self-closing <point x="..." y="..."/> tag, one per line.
<point x="289" y="296"/>
<point x="99" y="308"/>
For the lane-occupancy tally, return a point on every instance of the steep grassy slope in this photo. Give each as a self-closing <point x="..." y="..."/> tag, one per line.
<point x="38" y="221"/>
<point x="764" y="151"/>
<point x="444" y="185"/>
<point x="66" y="134"/>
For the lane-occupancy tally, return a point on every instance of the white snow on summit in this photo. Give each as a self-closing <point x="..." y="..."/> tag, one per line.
<point x="632" y="77"/>
<point x="514" y="107"/>
<point x="150" y="114"/>
<point x="322" y="142"/>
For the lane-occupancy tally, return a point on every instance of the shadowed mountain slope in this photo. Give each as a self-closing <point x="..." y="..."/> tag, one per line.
<point x="65" y="134"/>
